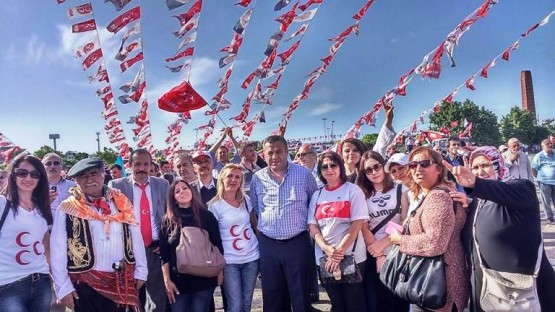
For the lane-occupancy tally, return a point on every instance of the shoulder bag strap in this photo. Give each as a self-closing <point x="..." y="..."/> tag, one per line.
<point x="4" y="215"/>
<point x="392" y="213"/>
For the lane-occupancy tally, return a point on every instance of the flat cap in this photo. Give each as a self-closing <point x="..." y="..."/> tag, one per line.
<point x="84" y="165"/>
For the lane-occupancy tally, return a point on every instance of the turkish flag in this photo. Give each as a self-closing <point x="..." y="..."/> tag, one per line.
<point x="121" y="21"/>
<point x="182" y="98"/>
<point x="92" y="58"/>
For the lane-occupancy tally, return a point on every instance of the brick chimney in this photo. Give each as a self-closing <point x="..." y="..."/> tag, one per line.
<point x="527" y="90"/>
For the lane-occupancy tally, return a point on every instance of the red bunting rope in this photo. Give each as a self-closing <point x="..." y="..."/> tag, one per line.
<point x="427" y="68"/>
<point x="469" y="84"/>
<point x="7" y="149"/>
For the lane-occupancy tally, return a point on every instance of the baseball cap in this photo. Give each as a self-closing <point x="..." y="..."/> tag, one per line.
<point x="199" y="154"/>
<point x="398" y="158"/>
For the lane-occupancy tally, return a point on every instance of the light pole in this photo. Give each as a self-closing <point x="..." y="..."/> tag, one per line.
<point x="196" y="137"/>
<point x="325" y="132"/>
<point x="54" y="137"/>
<point x="98" y="140"/>
<point x="332" y="122"/>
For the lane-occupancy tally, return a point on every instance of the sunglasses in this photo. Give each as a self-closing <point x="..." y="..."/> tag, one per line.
<point x="482" y="166"/>
<point x="373" y="169"/>
<point x="398" y="169"/>
<point x="23" y="173"/>
<point x="50" y="163"/>
<point x="328" y="166"/>
<point x="304" y="154"/>
<point x="423" y="164"/>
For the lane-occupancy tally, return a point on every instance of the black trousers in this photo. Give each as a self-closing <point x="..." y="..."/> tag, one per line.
<point x="91" y="301"/>
<point x="379" y="297"/>
<point x="152" y="295"/>
<point x="285" y="268"/>
<point x="347" y="297"/>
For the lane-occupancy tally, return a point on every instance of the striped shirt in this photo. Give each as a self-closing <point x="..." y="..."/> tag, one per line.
<point x="282" y="208"/>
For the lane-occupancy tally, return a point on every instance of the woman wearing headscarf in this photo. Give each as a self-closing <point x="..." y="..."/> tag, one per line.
<point x="505" y="221"/>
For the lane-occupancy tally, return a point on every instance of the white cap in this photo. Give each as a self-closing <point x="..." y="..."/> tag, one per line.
<point x="398" y="158"/>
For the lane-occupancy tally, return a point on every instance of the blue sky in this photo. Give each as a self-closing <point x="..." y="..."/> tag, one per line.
<point x="43" y="88"/>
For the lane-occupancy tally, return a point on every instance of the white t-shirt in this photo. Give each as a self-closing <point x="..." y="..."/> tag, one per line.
<point x="239" y="241"/>
<point x="22" y="251"/>
<point x="333" y="211"/>
<point x="380" y="206"/>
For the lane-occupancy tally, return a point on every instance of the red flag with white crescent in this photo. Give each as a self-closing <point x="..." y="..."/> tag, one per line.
<point x="244" y="3"/>
<point x="360" y="14"/>
<point x="187" y="52"/>
<point x="433" y="70"/>
<point x="192" y="24"/>
<point x="470" y="83"/>
<point x="103" y="90"/>
<point x="84" y="26"/>
<point x="130" y="62"/>
<point x="122" y="54"/>
<point x="285" y="56"/>
<point x="298" y="32"/>
<point x="124" y="19"/>
<point x="308" y="3"/>
<point x="234" y="45"/>
<point x="181" y="98"/>
<point x="92" y="58"/>
<point x="484" y="72"/>
<point x="83" y="10"/>
<point x="507" y="52"/>
<point x="344" y="34"/>
<point x="193" y="10"/>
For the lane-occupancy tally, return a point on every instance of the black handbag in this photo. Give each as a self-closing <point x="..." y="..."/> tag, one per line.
<point x="350" y="273"/>
<point x="418" y="280"/>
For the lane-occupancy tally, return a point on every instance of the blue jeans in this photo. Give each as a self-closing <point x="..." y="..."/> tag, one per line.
<point x="198" y="301"/>
<point x="32" y="293"/>
<point x="239" y="282"/>
<point x="548" y="198"/>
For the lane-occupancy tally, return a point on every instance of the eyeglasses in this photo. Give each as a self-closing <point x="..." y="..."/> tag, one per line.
<point x="482" y="166"/>
<point x="328" y="166"/>
<point x="50" y="163"/>
<point x="23" y="173"/>
<point x="423" y="163"/>
<point x="398" y="169"/>
<point x="304" y="154"/>
<point x="373" y="169"/>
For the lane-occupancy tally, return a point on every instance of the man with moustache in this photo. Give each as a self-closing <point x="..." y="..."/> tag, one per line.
<point x="280" y="194"/>
<point x="96" y="245"/>
<point x="59" y="186"/>
<point x="205" y="184"/>
<point x="517" y="161"/>
<point x="149" y="196"/>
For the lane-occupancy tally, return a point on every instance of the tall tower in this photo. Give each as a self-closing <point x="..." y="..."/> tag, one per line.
<point x="527" y="90"/>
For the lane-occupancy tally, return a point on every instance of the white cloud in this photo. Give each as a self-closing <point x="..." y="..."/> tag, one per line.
<point x="324" y="108"/>
<point x="34" y="51"/>
<point x="204" y="70"/>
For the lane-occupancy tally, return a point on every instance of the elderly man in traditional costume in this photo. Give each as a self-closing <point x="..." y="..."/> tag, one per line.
<point x="97" y="252"/>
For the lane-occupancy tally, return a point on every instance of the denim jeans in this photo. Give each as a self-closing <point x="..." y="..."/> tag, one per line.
<point x="30" y="294"/>
<point x="548" y="198"/>
<point x="198" y="301"/>
<point x="239" y="282"/>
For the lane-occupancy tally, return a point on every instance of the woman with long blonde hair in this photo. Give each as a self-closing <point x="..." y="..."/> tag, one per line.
<point x="231" y="209"/>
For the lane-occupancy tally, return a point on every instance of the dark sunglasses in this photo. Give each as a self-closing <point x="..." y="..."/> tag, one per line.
<point x="23" y="173"/>
<point x="50" y="163"/>
<point x="423" y="163"/>
<point x="304" y="154"/>
<point x="328" y="166"/>
<point x="375" y="168"/>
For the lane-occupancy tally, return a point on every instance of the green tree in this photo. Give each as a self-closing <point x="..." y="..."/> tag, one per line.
<point x="45" y="149"/>
<point x="369" y="138"/>
<point x="520" y="124"/>
<point x="108" y="155"/>
<point x="485" y="130"/>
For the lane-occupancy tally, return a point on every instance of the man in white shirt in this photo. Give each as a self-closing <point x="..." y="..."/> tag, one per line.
<point x="58" y="186"/>
<point x="96" y="244"/>
<point x="517" y="161"/>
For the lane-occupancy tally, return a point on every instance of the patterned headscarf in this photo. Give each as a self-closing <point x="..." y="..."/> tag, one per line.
<point x="492" y="153"/>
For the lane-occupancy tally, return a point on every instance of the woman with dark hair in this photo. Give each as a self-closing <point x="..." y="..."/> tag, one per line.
<point x="186" y="292"/>
<point x="386" y="202"/>
<point x="434" y="225"/>
<point x="504" y="224"/>
<point x="351" y="150"/>
<point x="336" y="214"/>
<point x="24" y="273"/>
<point x="231" y="208"/>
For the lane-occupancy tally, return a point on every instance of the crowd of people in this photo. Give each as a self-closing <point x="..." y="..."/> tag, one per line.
<point x="116" y="244"/>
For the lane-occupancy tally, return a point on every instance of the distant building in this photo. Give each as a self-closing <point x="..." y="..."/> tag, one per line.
<point x="527" y="90"/>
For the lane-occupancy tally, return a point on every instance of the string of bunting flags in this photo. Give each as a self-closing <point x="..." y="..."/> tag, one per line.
<point x="469" y="84"/>
<point x="7" y="148"/>
<point x="430" y="67"/>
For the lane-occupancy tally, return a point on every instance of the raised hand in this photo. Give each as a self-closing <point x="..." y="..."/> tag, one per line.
<point x="464" y="175"/>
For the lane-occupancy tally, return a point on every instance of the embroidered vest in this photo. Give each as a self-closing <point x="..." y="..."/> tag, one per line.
<point x="80" y="250"/>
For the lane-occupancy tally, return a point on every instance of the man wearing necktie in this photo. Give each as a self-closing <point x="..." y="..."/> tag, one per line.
<point x="149" y="196"/>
